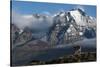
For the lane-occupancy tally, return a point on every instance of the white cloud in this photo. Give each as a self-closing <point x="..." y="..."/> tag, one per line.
<point x="81" y="7"/>
<point x="46" y="13"/>
<point x="30" y="21"/>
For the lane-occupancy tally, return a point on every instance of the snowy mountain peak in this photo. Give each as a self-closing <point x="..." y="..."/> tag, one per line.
<point x="59" y="25"/>
<point x="74" y="22"/>
<point x="80" y="10"/>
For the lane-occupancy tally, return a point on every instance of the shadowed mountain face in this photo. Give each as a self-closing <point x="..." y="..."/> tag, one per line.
<point x="50" y="37"/>
<point x="56" y="29"/>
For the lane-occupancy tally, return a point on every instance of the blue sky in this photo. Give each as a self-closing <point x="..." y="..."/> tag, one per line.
<point x="24" y="7"/>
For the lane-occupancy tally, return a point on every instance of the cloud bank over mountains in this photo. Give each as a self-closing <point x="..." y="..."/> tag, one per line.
<point x="33" y="22"/>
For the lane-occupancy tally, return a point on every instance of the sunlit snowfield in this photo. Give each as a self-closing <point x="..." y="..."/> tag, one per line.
<point x="49" y="33"/>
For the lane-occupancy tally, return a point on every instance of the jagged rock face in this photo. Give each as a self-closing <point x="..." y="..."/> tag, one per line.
<point x="82" y="19"/>
<point x="23" y="37"/>
<point x="14" y="32"/>
<point x="19" y="37"/>
<point x="74" y="23"/>
<point x="90" y="33"/>
<point x="58" y="28"/>
<point x="67" y="27"/>
<point x="85" y="23"/>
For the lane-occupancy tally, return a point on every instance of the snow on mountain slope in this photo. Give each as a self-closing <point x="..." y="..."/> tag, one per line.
<point x="73" y="23"/>
<point x="58" y="26"/>
<point x="82" y="18"/>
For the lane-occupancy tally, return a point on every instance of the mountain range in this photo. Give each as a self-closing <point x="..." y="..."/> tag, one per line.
<point x="62" y="27"/>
